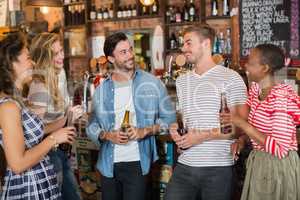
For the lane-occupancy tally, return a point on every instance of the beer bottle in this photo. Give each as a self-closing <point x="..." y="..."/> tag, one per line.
<point x="225" y="128"/>
<point x="65" y="146"/>
<point x="181" y="129"/>
<point x="125" y="124"/>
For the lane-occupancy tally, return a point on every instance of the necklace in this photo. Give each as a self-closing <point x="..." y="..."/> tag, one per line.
<point x="264" y="93"/>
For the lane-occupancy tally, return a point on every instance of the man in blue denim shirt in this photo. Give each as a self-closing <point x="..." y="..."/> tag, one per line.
<point x="125" y="158"/>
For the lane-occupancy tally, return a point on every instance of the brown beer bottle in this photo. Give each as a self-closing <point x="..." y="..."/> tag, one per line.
<point x="125" y="124"/>
<point x="225" y="128"/>
<point x="65" y="146"/>
<point x="181" y="129"/>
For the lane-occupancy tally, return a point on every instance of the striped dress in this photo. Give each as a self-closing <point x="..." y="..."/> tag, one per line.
<point x="38" y="182"/>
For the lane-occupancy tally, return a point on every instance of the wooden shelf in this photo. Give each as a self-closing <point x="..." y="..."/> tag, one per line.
<point x="124" y="19"/>
<point x="217" y="17"/>
<point x="75" y="3"/>
<point x="183" y="23"/>
<point x="173" y="51"/>
<point x="66" y="28"/>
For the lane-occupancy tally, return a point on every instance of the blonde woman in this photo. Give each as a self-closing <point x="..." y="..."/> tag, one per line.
<point x="51" y="102"/>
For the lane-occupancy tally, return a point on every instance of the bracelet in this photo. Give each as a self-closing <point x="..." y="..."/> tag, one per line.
<point x="55" y="142"/>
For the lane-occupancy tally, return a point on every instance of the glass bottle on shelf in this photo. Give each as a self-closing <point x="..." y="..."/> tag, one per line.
<point x="99" y="14"/>
<point x="168" y="15"/>
<point x="214" y="8"/>
<point x="173" y="41"/>
<point x="111" y="11"/>
<point x="172" y="16"/>
<point x="129" y="11"/>
<point x="93" y="13"/>
<point x="145" y="10"/>
<point x="72" y="21"/>
<point x="120" y="12"/>
<point x="192" y="11"/>
<point x="228" y="41"/>
<point x="226" y="8"/>
<point x="180" y="39"/>
<point x="82" y="14"/>
<point x="154" y="8"/>
<point x="178" y="15"/>
<point x="124" y="12"/>
<point x="133" y="11"/>
<point x="105" y="13"/>
<point x="68" y="16"/>
<point x="77" y="14"/>
<point x="186" y="11"/>
<point x="221" y="43"/>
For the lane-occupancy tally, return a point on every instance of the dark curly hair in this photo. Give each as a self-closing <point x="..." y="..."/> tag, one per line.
<point x="112" y="41"/>
<point x="10" y="48"/>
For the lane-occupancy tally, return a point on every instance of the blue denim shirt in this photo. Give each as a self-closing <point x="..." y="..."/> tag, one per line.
<point x="152" y="106"/>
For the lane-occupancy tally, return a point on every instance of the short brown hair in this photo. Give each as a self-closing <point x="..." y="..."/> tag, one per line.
<point x="204" y="31"/>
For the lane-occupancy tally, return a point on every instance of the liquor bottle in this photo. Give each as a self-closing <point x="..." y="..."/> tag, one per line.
<point x="133" y="11"/>
<point x="222" y="47"/>
<point x="180" y="39"/>
<point x="172" y="16"/>
<point x="72" y="22"/>
<point x="228" y="42"/>
<point x="173" y="41"/>
<point x="93" y="13"/>
<point x="145" y="10"/>
<point x="105" y="13"/>
<point x="192" y="11"/>
<point x="120" y="12"/>
<point x="68" y="16"/>
<point x="214" y="8"/>
<point x="82" y="14"/>
<point x="178" y="15"/>
<point x="129" y="11"/>
<point x="225" y="129"/>
<point x="100" y="14"/>
<point x="186" y="11"/>
<point x="168" y="15"/>
<point x="216" y="46"/>
<point x="181" y="126"/>
<point x="226" y="10"/>
<point x="111" y="11"/>
<point x="154" y="8"/>
<point x="125" y="124"/>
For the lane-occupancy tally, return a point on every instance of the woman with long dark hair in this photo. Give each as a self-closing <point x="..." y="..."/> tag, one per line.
<point x="29" y="173"/>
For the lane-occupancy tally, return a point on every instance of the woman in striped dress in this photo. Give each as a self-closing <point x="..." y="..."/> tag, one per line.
<point x="29" y="173"/>
<point x="273" y="167"/>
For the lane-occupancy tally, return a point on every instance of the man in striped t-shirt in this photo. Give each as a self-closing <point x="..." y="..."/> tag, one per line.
<point x="204" y="167"/>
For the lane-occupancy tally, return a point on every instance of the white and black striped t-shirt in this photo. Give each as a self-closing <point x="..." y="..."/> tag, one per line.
<point x="199" y="102"/>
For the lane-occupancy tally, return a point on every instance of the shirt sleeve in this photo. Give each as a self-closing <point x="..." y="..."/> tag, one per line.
<point x="236" y="91"/>
<point x="283" y="125"/>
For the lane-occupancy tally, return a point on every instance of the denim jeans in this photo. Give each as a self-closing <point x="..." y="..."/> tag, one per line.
<point x="205" y="183"/>
<point x="128" y="183"/>
<point x="66" y="179"/>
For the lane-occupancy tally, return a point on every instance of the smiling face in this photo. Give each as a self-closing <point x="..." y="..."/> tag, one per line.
<point x="59" y="56"/>
<point x="193" y="47"/>
<point x="123" y="56"/>
<point x="255" y="70"/>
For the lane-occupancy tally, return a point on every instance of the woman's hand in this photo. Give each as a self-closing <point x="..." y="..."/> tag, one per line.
<point x="64" y="135"/>
<point x="77" y="112"/>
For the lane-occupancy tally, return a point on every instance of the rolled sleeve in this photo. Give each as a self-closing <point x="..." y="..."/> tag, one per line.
<point x="93" y="130"/>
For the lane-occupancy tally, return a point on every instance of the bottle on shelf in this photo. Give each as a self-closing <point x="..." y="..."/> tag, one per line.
<point x="111" y="11"/>
<point x="133" y="11"/>
<point x="154" y="8"/>
<point x="225" y="128"/>
<point x="72" y="21"/>
<point x="192" y="11"/>
<point x="228" y="48"/>
<point x="129" y="11"/>
<point x="186" y="16"/>
<point x="125" y="123"/>
<point x="172" y="16"/>
<point x="173" y="41"/>
<point x="214" y="8"/>
<point x="180" y="39"/>
<point x="93" y="13"/>
<point x="145" y="10"/>
<point x="222" y="45"/>
<point x="216" y="46"/>
<point x="119" y="12"/>
<point x="226" y="8"/>
<point x="124" y="12"/>
<point x="105" y="13"/>
<point x="68" y="16"/>
<point x="178" y="15"/>
<point x="168" y="15"/>
<point x="99" y="14"/>
<point x="82" y="14"/>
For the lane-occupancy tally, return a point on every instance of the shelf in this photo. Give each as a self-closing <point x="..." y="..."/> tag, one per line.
<point x="124" y="19"/>
<point x="183" y="23"/>
<point x="217" y="17"/>
<point x="75" y="3"/>
<point x="66" y="28"/>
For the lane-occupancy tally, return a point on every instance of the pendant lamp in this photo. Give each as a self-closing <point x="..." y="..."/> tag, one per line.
<point x="147" y="2"/>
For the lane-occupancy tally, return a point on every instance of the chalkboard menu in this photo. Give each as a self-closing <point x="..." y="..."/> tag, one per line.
<point x="269" y="21"/>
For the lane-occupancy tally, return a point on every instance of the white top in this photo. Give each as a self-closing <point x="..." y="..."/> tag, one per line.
<point x="199" y="102"/>
<point x="123" y="101"/>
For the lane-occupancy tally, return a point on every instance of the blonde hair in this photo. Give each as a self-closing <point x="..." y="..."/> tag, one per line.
<point x="45" y="71"/>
